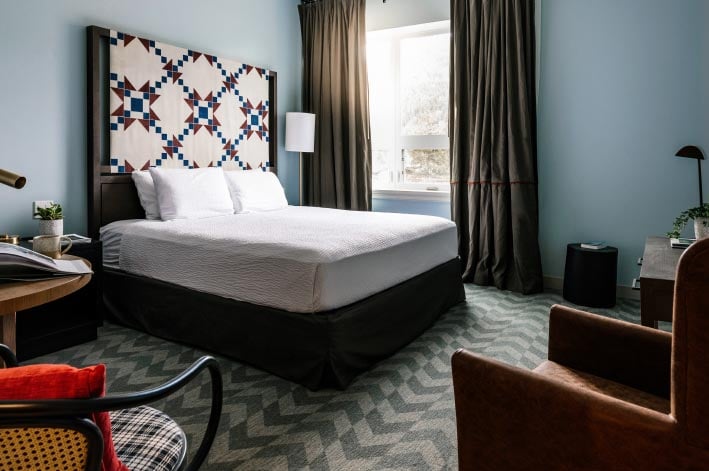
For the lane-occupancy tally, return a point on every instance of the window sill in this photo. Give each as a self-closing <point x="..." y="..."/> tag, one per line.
<point x="412" y="195"/>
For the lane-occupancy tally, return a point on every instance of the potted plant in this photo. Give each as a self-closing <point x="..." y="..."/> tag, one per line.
<point x="700" y="215"/>
<point x="51" y="220"/>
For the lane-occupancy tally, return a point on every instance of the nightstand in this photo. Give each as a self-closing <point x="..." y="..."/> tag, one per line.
<point x="67" y="321"/>
<point x="590" y="276"/>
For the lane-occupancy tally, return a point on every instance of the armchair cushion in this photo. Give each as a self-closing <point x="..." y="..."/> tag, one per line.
<point x="38" y="382"/>
<point x="637" y="356"/>
<point x="597" y="384"/>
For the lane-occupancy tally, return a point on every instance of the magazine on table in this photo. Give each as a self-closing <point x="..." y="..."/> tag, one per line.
<point x="681" y="242"/>
<point x="594" y="245"/>
<point x="21" y="264"/>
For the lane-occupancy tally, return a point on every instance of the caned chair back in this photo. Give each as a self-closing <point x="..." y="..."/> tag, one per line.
<point x="52" y="445"/>
<point x="54" y="434"/>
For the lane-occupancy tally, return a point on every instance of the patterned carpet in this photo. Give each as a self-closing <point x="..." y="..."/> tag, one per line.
<point x="399" y="415"/>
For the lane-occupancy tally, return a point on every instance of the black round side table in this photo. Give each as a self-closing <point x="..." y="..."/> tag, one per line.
<point x="590" y="276"/>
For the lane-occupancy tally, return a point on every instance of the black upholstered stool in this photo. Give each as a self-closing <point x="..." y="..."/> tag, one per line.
<point x="591" y="275"/>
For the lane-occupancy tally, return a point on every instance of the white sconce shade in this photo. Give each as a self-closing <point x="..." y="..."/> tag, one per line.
<point x="300" y="132"/>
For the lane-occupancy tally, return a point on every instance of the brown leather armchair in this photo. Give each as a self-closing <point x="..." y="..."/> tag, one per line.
<point x="612" y="396"/>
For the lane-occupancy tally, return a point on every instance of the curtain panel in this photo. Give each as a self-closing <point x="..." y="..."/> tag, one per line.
<point x="493" y="142"/>
<point x="339" y="173"/>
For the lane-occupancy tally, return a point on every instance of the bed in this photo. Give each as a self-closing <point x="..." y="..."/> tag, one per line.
<point x="313" y="295"/>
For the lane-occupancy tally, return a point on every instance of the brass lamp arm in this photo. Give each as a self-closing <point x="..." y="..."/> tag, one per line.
<point x="12" y="179"/>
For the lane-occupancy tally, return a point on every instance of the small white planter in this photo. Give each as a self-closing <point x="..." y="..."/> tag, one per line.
<point x="701" y="228"/>
<point x="51" y="227"/>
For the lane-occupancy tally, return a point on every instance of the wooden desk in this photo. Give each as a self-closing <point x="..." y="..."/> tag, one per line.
<point x="657" y="280"/>
<point x="27" y="294"/>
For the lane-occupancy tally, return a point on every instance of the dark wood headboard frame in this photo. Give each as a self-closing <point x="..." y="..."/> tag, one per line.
<point x="112" y="196"/>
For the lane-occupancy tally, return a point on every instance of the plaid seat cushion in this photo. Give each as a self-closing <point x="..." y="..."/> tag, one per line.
<point x="147" y="440"/>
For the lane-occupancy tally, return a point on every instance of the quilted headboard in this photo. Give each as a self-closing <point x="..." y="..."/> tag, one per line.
<point x="154" y="104"/>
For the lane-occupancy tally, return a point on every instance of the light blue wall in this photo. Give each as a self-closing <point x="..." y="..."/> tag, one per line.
<point x="705" y="75"/>
<point x="42" y="115"/>
<point x="623" y="87"/>
<point x="431" y="208"/>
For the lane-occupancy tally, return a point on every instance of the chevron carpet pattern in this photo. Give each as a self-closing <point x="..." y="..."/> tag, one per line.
<point x="399" y="415"/>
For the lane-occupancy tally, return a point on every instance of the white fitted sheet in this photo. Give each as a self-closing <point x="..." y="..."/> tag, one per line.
<point x="299" y="259"/>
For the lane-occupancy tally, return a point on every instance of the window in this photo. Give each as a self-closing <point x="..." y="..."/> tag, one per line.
<point x="408" y="98"/>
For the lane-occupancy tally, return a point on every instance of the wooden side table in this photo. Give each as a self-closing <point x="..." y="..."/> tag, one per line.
<point x="69" y="321"/>
<point x="23" y="295"/>
<point x="657" y="280"/>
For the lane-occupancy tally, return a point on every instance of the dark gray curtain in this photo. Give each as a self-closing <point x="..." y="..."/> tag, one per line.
<point x="339" y="173"/>
<point x="493" y="142"/>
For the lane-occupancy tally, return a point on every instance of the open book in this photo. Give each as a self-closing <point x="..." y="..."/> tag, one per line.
<point x="21" y="264"/>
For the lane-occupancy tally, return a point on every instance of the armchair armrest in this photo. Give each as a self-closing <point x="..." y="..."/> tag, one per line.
<point x="512" y="419"/>
<point x="8" y="356"/>
<point x="53" y="408"/>
<point x="639" y="357"/>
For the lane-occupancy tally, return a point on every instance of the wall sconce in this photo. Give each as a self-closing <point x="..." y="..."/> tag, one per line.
<point x="15" y="181"/>
<point x="12" y="179"/>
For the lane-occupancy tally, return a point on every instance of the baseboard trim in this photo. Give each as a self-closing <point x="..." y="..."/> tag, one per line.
<point x="554" y="283"/>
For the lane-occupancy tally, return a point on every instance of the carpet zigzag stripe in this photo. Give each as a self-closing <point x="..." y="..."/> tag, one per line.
<point x="399" y="415"/>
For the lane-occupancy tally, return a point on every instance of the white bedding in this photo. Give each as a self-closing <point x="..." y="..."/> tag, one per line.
<point x="299" y="259"/>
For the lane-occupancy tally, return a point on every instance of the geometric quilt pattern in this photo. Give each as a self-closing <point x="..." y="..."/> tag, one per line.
<point x="177" y="108"/>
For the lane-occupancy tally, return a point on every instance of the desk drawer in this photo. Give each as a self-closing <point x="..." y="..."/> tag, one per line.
<point x="656" y="298"/>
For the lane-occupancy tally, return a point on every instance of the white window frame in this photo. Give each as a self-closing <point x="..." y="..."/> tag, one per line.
<point x="399" y="143"/>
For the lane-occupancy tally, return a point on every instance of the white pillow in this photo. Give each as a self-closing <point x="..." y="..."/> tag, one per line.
<point x="255" y="190"/>
<point x="191" y="194"/>
<point x="146" y="193"/>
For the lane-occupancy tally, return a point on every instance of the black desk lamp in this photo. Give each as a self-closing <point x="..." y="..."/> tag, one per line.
<point x="694" y="152"/>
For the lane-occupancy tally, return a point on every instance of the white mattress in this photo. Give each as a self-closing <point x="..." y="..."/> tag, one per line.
<point x="299" y="259"/>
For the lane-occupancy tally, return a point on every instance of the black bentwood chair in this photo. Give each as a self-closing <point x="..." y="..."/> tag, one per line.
<point x="57" y="435"/>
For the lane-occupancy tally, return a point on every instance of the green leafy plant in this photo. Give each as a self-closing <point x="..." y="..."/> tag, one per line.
<point x="51" y="212"/>
<point x="684" y="217"/>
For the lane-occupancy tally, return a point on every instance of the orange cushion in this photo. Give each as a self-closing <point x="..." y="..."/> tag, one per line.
<point x="38" y="382"/>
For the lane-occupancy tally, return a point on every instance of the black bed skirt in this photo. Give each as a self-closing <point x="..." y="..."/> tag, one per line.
<point x="317" y="350"/>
